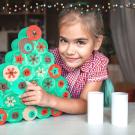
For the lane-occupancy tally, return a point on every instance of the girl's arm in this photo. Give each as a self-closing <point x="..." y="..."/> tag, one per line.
<point x="35" y="95"/>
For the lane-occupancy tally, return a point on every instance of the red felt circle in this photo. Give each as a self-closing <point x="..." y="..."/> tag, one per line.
<point x="34" y="32"/>
<point x="4" y="117"/>
<point x="51" y="68"/>
<point x="56" y="113"/>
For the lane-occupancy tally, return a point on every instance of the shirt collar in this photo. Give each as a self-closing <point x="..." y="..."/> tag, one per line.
<point x="86" y="66"/>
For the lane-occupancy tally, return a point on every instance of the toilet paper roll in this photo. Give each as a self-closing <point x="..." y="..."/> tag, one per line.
<point x="119" y="109"/>
<point x="95" y="108"/>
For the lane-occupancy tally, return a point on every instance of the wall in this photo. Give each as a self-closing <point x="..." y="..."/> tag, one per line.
<point x="3" y="42"/>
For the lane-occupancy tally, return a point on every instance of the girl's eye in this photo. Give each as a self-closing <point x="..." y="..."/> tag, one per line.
<point x="62" y="41"/>
<point x="80" y="43"/>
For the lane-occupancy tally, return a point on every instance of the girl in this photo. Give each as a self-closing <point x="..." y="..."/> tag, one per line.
<point x="80" y="37"/>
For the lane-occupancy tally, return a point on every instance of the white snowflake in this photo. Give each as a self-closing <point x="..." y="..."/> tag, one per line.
<point x="40" y="72"/>
<point x="10" y="102"/>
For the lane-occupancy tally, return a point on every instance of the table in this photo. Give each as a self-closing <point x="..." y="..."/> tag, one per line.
<point x="70" y="125"/>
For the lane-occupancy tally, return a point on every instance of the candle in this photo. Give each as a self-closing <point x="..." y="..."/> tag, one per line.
<point x="119" y="109"/>
<point x="95" y="108"/>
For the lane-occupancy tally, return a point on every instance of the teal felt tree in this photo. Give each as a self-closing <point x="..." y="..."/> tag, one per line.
<point x="29" y="61"/>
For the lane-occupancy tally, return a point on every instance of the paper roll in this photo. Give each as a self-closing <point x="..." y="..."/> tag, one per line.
<point x="119" y="109"/>
<point x="95" y="108"/>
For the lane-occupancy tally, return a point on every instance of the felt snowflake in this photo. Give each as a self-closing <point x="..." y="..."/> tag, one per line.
<point x="40" y="72"/>
<point x="40" y="47"/>
<point x="10" y="102"/>
<point x="11" y="73"/>
<point x="48" y="83"/>
<point x="33" y="59"/>
<point x="19" y="59"/>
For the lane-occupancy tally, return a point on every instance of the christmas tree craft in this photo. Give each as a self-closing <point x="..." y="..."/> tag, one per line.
<point x="29" y="61"/>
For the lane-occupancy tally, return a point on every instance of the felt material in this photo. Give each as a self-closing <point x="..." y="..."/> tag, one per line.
<point x="29" y="60"/>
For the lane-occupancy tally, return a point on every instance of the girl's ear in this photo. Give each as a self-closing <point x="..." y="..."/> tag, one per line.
<point x="98" y="42"/>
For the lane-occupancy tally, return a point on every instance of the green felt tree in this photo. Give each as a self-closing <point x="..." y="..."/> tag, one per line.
<point x="29" y="61"/>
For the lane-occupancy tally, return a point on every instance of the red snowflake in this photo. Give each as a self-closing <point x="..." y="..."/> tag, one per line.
<point x="40" y="47"/>
<point x="19" y="59"/>
<point x="11" y="73"/>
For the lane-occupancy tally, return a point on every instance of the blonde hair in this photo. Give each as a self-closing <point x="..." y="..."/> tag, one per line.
<point x="91" y="20"/>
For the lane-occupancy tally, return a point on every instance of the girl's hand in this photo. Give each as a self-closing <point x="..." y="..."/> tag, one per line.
<point x="35" y="95"/>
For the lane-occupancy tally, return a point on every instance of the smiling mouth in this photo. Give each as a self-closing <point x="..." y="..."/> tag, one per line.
<point x="71" y="59"/>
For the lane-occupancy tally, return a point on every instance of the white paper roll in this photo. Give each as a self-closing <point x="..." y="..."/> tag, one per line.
<point x="95" y="108"/>
<point x="119" y="109"/>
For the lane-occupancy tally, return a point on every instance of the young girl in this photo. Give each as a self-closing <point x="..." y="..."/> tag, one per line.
<point x="80" y="37"/>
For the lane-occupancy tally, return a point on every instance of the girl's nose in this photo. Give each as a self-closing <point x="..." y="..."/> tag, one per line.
<point x="70" y="50"/>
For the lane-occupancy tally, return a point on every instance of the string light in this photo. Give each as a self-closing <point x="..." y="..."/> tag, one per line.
<point x="10" y="9"/>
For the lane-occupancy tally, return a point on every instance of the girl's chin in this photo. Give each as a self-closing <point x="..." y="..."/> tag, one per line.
<point x="72" y="65"/>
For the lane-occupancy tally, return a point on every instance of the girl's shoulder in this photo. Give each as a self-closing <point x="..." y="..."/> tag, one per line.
<point x="99" y="58"/>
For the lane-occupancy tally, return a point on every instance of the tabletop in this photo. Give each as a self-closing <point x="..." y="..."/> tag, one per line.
<point x="70" y="125"/>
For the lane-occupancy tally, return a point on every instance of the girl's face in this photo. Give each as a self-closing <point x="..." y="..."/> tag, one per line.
<point x="76" y="44"/>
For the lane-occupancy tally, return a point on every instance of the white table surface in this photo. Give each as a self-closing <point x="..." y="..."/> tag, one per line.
<point x="70" y="125"/>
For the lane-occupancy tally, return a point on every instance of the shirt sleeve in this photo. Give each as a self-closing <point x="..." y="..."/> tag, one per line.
<point x="99" y="69"/>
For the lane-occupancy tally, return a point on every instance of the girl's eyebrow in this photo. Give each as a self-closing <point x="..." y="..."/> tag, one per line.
<point x="63" y="37"/>
<point x="80" y="39"/>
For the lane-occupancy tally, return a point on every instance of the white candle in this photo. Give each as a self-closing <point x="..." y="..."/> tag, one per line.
<point x="119" y="109"/>
<point x="95" y="108"/>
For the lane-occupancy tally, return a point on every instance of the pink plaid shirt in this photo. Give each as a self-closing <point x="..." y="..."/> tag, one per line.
<point x="94" y="69"/>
